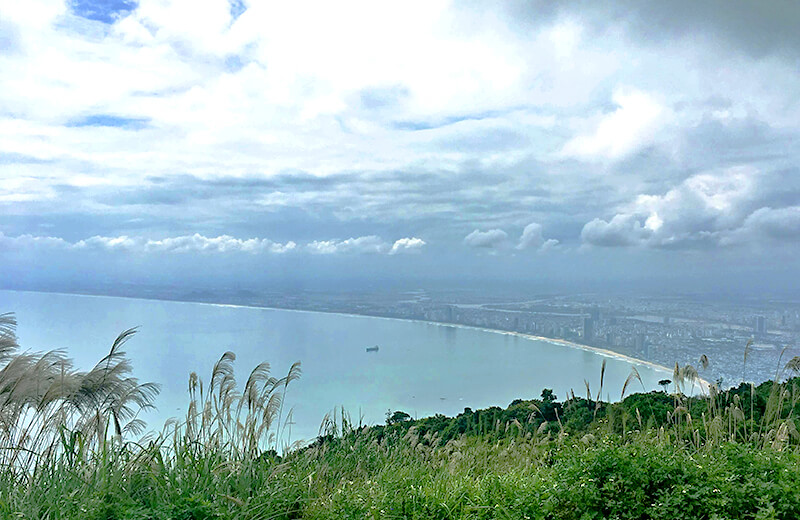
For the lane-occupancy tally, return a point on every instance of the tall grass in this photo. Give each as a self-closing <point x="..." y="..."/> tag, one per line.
<point x="47" y="405"/>
<point x="238" y="424"/>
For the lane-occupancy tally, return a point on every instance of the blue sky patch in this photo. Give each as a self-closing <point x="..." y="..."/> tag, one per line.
<point x="106" y="11"/>
<point x="18" y="158"/>
<point x="414" y="125"/>
<point x="237" y="8"/>
<point x="109" y="120"/>
<point x="234" y="63"/>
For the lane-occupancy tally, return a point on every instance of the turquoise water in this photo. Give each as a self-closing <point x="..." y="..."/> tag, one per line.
<point x="421" y="368"/>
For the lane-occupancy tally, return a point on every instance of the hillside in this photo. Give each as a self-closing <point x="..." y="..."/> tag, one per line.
<point x="68" y="451"/>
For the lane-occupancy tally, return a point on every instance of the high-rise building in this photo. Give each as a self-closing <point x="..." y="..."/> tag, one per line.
<point x="760" y="325"/>
<point x="640" y="344"/>
<point x="449" y="314"/>
<point x="588" y="328"/>
<point x="594" y="313"/>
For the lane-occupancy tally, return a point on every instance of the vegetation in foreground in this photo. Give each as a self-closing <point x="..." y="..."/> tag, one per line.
<point x="65" y="452"/>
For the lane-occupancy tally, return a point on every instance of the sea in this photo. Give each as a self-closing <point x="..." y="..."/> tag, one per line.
<point x="418" y="367"/>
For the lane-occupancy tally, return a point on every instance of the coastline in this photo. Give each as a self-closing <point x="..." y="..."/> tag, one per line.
<point x="553" y="341"/>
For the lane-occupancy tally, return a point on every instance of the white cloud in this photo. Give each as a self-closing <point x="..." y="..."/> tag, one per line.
<point x="708" y="209"/>
<point x="633" y="124"/>
<point x="486" y="239"/>
<point x="204" y="27"/>
<point x="184" y="244"/>
<point x="621" y="230"/>
<point x="33" y="14"/>
<point x="550" y="243"/>
<point x="220" y="244"/>
<point x="366" y="244"/>
<point x="277" y="88"/>
<point x="120" y="243"/>
<point x="214" y="245"/>
<point x="407" y="245"/>
<point x="30" y="241"/>
<point x="532" y="238"/>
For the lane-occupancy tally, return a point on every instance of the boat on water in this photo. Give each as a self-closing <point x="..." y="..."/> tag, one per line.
<point x="372" y="349"/>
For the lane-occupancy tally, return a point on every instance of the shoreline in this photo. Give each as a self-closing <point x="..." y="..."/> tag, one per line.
<point x="553" y="341"/>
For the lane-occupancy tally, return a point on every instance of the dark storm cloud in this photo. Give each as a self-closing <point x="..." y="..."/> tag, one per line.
<point x="299" y="206"/>
<point x="779" y="224"/>
<point x="377" y="193"/>
<point x="714" y="142"/>
<point x="756" y="27"/>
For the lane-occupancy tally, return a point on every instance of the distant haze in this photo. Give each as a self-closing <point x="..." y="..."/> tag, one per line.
<point x="236" y="143"/>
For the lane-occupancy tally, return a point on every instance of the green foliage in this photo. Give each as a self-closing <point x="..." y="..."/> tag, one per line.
<point x="548" y="396"/>
<point x="396" y="417"/>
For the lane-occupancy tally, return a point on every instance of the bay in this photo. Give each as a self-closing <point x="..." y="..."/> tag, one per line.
<point x="421" y="368"/>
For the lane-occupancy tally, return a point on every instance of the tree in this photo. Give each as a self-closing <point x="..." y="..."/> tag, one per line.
<point x="396" y="417"/>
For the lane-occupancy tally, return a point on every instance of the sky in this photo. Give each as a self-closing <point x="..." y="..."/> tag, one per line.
<point x="577" y="144"/>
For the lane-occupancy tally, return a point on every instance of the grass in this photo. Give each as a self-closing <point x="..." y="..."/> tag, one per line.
<point x="70" y="450"/>
<point x="361" y="477"/>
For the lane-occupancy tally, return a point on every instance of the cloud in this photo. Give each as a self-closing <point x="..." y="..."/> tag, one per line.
<point x="621" y="230"/>
<point x="220" y="244"/>
<point x="31" y="242"/>
<point x="767" y="225"/>
<point x="486" y="239"/>
<point x="120" y="243"/>
<point x="140" y="122"/>
<point x="630" y="126"/>
<point x="532" y="238"/>
<point x="709" y="209"/>
<point x="407" y="245"/>
<point x="183" y="244"/>
<point x="198" y="243"/>
<point x="367" y="244"/>
<point x="758" y="28"/>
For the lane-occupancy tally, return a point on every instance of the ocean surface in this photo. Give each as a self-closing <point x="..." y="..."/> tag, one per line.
<point x="421" y="368"/>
